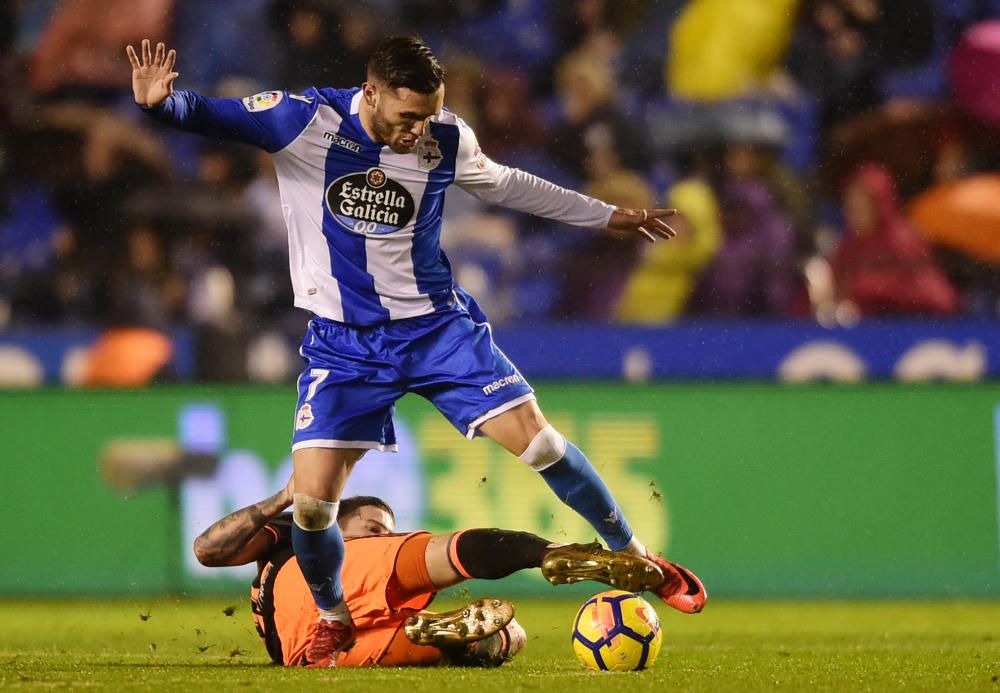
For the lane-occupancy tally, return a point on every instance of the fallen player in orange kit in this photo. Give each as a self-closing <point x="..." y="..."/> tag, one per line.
<point x="390" y="579"/>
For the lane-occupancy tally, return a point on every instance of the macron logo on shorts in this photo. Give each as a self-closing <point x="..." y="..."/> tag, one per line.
<point x="503" y="382"/>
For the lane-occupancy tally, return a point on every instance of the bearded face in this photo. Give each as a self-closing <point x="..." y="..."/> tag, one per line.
<point x="398" y="117"/>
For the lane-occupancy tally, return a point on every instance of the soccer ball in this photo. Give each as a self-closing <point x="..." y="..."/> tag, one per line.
<point x="616" y="631"/>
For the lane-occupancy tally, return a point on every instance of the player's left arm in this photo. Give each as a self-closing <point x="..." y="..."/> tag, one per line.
<point x="497" y="184"/>
<point x="241" y="537"/>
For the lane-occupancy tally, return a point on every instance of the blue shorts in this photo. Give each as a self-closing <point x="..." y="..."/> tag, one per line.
<point x="354" y="375"/>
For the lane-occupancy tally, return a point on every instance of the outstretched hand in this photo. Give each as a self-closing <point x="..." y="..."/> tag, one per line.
<point x="644" y="221"/>
<point x="153" y="77"/>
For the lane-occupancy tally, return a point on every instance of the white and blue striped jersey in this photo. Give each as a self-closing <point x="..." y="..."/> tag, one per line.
<point x="364" y="223"/>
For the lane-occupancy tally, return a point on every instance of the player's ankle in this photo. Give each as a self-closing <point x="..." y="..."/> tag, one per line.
<point x="338" y="613"/>
<point x="636" y="548"/>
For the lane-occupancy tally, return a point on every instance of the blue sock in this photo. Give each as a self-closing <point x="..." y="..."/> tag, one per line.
<point x="578" y="485"/>
<point x="320" y="555"/>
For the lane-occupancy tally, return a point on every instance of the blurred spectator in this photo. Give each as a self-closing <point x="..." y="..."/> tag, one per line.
<point x="975" y="72"/>
<point x="427" y="17"/>
<point x="308" y="30"/>
<point x="722" y="49"/>
<point x="82" y="162"/>
<point x="507" y="128"/>
<point x="467" y="80"/>
<point x="754" y="273"/>
<point x="659" y="289"/>
<point x="143" y="291"/>
<point x="225" y="40"/>
<point x="29" y="231"/>
<point x="91" y="159"/>
<point x="844" y="48"/>
<point x="83" y="44"/>
<point x="756" y="161"/>
<point x="328" y="44"/>
<point x="514" y="35"/>
<point x="883" y="266"/>
<point x="268" y="236"/>
<point x="590" y="119"/>
<point x="595" y="275"/>
<point x="64" y="291"/>
<point x="486" y="256"/>
<point x="832" y="56"/>
<point x="591" y="26"/>
<point x="906" y="136"/>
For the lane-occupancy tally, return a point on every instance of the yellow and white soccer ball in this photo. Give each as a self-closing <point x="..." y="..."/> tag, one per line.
<point x="616" y="631"/>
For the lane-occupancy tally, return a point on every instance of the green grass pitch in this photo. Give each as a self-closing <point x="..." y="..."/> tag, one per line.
<point x="193" y="644"/>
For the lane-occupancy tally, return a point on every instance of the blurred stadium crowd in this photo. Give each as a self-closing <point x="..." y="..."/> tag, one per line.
<point x="834" y="159"/>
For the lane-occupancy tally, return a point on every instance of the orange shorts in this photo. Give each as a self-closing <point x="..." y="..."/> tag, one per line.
<point x="385" y="582"/>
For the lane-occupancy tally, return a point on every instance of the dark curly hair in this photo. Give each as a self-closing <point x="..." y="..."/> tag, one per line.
<point x="406" y="61"/>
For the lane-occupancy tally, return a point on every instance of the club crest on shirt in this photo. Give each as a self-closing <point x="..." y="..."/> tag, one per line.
<point x="369" y="203"/>
<point x="304" y="417"/>
<point x="428" y="153"/>
<point x="264" y="101"/>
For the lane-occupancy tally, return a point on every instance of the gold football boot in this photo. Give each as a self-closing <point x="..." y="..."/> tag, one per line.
<point x="623" y="571"/>
<point x="480" y="619"/>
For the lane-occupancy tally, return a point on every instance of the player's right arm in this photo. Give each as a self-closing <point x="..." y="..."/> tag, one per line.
<point x="240" y="537"/>
<point x="270" y="120"/>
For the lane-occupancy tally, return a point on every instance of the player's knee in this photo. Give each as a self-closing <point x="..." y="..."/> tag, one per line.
<point x="203" y="553"/>
<point x="546" y="448"/>
<point x="313" y="514"/>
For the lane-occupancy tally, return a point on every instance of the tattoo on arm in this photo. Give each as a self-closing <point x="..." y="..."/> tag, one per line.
<point x="225" y="539"/>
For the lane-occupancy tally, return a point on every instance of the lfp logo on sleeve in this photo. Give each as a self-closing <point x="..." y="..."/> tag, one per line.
<point x="264" y="101"/>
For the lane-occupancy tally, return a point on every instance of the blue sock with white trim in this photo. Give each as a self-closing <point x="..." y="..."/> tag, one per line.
<point x="578" y="485"/>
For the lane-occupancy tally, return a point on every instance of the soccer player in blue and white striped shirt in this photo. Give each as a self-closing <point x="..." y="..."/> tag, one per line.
<point x="362" y="175"/>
